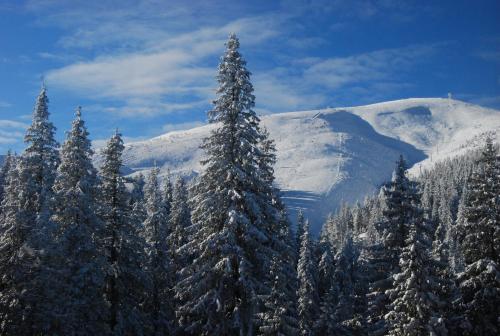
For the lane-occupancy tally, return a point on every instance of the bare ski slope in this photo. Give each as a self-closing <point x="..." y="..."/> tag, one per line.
<point x="326" y="157"/>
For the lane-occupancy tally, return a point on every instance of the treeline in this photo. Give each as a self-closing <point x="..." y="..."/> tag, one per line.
<point x="425" y="251"/>
<point x="90" y="252"/>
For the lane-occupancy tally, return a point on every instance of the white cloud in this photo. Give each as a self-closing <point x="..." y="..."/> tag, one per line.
<point x="372" y="66"/>
<point x="152" y="81"/>
<point x="11" y="132"/>
<point x="4" y="104"/>
<point x="313" y="82"/>
<point x="156" y="63"/>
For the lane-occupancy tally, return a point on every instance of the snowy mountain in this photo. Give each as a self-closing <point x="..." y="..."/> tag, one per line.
<point x="330" y="156"/>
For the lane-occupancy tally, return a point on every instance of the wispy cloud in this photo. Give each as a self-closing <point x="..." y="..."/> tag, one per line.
<point x="148" y="60"/>
<point x="313" y="82"/>
<point x="4" y="104"/>
<point x="11" y="132"/>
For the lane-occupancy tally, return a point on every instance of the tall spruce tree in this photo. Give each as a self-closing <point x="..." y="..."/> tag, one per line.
<point x="338" y="314"/>
<point x="4" y="171"/>
<point x="279" y="312"/>
<point x="480" y="281"/>
<point x="400" y="196"/>
<point x="18" y="260"/>
<point x="160" y="298"/>
<point x="231" y="204"/>
<point x="179" y="221"/>
<point x="326" y="266"/>
<point x="126" y="281"/>
<point x="415" y="308"/>
<point x="40" y="160"/>
<point x="76" y="257"/>
<point x="25" y="221"/>
<point x="279" y="316"/>
<point x="307" y="293"/>
<point x="299" y="232"/>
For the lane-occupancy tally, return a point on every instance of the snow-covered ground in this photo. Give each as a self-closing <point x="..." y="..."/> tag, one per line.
<point x="329" y="156"/>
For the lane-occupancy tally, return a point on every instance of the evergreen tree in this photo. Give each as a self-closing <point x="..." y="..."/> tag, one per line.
<point x="25" y="222"/>
<point x="279" y="311"/>
<point x="76" y="258"/>
<point x="299" y="232"/>
<point x="160" y="297"/>
<point x="340" y="313"/>
<point x="136" y="202"/>
<point x="345" y="279"/>
<point x="479" y="283"/>
<point x="167" y="199"/>
<point x="180" y="220"/>
<point x="18" y="260"/>
<point x="415" y="307"/>
<point x="307" y="294"/>
<point x="326" y="267"/>
<point x="279" y="316"/>
<point x="400" y="197"/>
<point x="126" y="282"/>
<point x="40" y="161"/>
<point x="441" y="267"/>
<point x="4" y="171"/>
<point x="232" y="212"/>
<point x="456" y="234"/>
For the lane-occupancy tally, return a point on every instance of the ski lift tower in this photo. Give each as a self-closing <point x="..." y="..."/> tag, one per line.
<point x="449" y="99"/>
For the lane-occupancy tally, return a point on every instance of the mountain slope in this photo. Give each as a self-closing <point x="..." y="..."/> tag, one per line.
<point x="329" y="156"/>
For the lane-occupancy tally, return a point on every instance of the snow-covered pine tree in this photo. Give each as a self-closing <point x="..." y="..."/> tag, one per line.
<point x="358" y="220"/>
<point x="299" y="232"/>
<point x="40" y="161"/>
<point x="77" y="260"/>
<point x="441" y="267"/>
<point x="159" y="303"/>
<point x="4" y="171"/>
<point x="307" y="293"/>
<point x="346" y="279"/>
<point x="340" y="314"/>
<point x="126" y="280"/>
<point x="326" y="266"/>
<point x="415" y="308"/>
<point x="457" y="233"/>
<point x="18" y="261"/>
<point x="279" y="316"/>
<point x="479" y="283"/>
<point x="400" y="196"/>
<point x="279" y="311"/>
<point x="179" y="221"/>
<point x="231" y="214"/>
<point x="326" y="323"/>
<point x="136" y="201"/>
<point x="35" y="173"/>
<point x="167" y="197"/>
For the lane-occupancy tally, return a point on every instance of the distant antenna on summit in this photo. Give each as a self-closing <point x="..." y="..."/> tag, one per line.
<point x="449" y="98"/>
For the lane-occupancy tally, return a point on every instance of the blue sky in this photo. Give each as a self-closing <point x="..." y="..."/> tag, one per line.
<point x="148" y="67"/>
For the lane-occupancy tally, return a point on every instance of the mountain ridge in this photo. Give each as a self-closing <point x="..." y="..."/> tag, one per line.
<point x="329" y="156"/>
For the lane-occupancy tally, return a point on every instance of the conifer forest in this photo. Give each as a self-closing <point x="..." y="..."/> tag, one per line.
<point x="88" y="250"/>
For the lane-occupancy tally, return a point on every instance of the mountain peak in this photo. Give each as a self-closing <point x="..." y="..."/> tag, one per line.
<point x="329" y="156"/>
